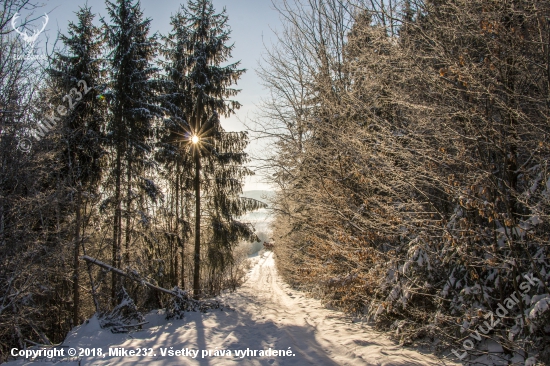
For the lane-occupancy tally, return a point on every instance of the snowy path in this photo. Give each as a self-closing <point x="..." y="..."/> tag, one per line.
<point x="267" y="314"/>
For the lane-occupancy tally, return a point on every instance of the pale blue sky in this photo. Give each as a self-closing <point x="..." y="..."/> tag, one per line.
<point x="251" y="22"/>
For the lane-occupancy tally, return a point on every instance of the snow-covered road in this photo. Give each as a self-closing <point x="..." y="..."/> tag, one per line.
<point x="267" y="314"/>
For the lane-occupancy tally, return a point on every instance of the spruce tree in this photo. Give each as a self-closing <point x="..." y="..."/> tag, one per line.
<point x="134" y="106"/>
<point x="81" y="142"/>
<point x="197" y="48"/>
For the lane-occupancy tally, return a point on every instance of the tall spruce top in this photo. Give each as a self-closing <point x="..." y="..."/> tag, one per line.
<point x="201" y="37"/>
<point x="131" y="56"/>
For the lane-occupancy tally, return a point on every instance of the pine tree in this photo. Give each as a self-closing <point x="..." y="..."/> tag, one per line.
<point x="81" y="143"/>
<point x="202" y="88"/>
<point x="134" y="106"/>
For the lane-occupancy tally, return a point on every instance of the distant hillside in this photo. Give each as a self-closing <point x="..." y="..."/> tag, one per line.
<point x="259" y="195"/>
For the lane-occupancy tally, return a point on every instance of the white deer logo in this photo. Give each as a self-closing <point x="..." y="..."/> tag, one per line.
<point x="29" y="39"/>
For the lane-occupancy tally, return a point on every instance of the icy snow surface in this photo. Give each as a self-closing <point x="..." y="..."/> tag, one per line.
<point x="267" y="313"/>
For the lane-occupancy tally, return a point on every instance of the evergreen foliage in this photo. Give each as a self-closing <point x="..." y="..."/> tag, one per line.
<point x="113" y="177"/>
<point x="81" y="143"/>
<point x="199" y="91"/>
<point x="134" y="106"/>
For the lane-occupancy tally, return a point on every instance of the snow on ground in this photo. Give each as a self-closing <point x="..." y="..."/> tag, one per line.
<point x="267" y="314"/>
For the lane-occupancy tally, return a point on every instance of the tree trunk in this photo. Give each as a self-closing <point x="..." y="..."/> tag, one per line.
<point x="116" y="224"/>
<point x="176" y="229"/>
<point x="182" y="215"/>
<point x="128" y="208"/>
<point x="196" y="274"/>
<point x="76" y="291"/>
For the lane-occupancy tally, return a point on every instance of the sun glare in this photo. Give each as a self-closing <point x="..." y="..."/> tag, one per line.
<point x="195" y="139"/>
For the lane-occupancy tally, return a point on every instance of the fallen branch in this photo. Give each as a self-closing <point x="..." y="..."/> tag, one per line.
<point x="124" y="274"/>
<point x="180" y="303"/>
